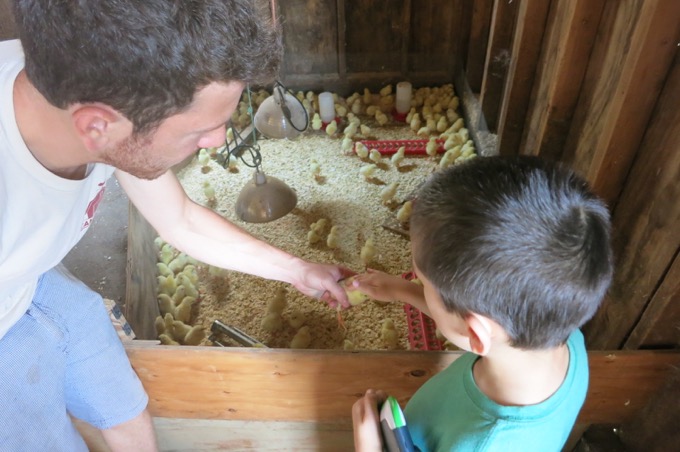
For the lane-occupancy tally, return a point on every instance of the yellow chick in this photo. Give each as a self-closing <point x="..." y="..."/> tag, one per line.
<point x="368" y="97"/>
<point x="448" y="158"/>
<point x="167" y="340"/>
<point x="365" y="130"/>
<point x="163" y="269"/>
<point x="367" y="171"/>
<point x="179" y="294"/>
<point x="431" y="125"/>
<point x="371" y="110"/>
<point x="388" y="193"/>
<point x="357" y="107"/>
<point x="189" y="287"/>
<point x="230" y="135"/>
<point x="432" y="147"/>
<point x="442" y="124"/>
<point x="203" y="157"/>
<point x="386" y="91"/>
<point x="159" y="325"/>
<point x="319" y="225"/>
<point x="331" y="128"/>
<point x="166" y="304"/>
<point x="278" y="303"/>
<point x="190" y="273"/>
<point x="180" y="330"/>
<point x="351" y="130"/>
<point x="183" y="310"/>
<point x="415" y="122"/>
<point x="361" y="150"/>
<point x="340" y="110"/>
<point x="375" y="156"/>
<point x="316" y="122"/>
<point x="398" y="156"/>
<point x="404" y="212"/>
<point x="313" y="236"/>
<point x="381" y="118"/>
<point x="195" y="335"/>
<point x="296" y="318"/>
<point x="167" y="285"/>
<point x="209" y="192"/>
<point x="367" y="252"/>
<point x="178" y="263"/>
<point x="451" y="115"/>
<point x="347" y="144"/>
<point x="272" y="322"/>
<point x="315" y="168"/>
<point x="389" y="334"/>
<point x="456" y="126"/>
<point x="302" y="338"/>
<point x="423" y="132"/>
<point x="332" y="239"/>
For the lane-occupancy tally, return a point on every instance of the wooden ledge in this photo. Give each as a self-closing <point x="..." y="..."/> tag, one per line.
<point x="322" y="385"/>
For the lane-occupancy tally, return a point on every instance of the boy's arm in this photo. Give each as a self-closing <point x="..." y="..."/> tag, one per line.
<point x="366" y="422"/>
<point x="383" y="287"/>
<point x="206" y="236"/>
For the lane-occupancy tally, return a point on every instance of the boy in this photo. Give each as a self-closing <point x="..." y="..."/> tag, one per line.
<point x="513" y="256"/>
<point x="92" y="89"/>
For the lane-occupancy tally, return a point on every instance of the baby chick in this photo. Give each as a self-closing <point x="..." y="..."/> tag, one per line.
<point x="195" y="335"/>
<point x="398" y="156"/>
<point x="367" y="171"/>
<point x="278" y="303"/>
<point x="432" y="147"/>
<point x="316" y="122"/>
<point x="313" y="236"/>
<point x="166" y="304"/>
<point x="302" y="338"/>
<point x="367" y="252"/>
<point x="183" y="310"/>
<point x="368" y="97"/>
<point x="365" y="130"/>
<point x="203" y="157"/>
<point x="209" y="192"/>
<point x="375" y="156"/>
<point x="315" y="168"/>
<point x="178" y="263"/>
<point x="442" y="124"/>
<point x="347" y="144"/>
<point x="361" y="150"/>
<point x="163" y="269"/>
<point x="415" y="122"/>
<point x="296" y="318"/>
<point x="167" y="340"/>
<point x="389" y="334"/>
<point x="386" y="90"/>
<point x="319" y="225"/>
<point x="332" y="239"/>
<point x="381" y="118"/>
<point x="388" y="193"/>
<point x="351" y="129"/>
<point x="331" y="128"/>
<point x="404" y="213"/>
<point x="272" y="322"/>
<point x="167" y="285"/>
<point x="180" y="330"/>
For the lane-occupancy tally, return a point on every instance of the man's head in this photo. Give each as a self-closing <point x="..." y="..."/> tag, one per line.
<point x="145" y="59"/>
<point x="519" y="241"/>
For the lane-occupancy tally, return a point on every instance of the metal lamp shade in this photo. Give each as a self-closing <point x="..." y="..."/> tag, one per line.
<point x="279" y="117"/>
<point x="264" y="198"/>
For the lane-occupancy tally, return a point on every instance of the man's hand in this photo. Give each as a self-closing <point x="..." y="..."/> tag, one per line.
<point x="321" y="281"/>
<point x="366" y="422"/>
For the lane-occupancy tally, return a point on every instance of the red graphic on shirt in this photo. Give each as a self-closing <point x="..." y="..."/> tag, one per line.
<point x="92" y="206"/>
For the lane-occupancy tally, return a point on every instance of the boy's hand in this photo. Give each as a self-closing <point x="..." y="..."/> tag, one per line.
<point x="366" y="422"/>
<point x="378" y="285"/>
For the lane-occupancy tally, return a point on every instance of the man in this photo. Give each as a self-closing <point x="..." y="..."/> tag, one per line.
<point x="94" y="88"/>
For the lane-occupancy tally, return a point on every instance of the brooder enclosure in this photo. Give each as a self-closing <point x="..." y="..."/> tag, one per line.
<point x="594" y="84"/>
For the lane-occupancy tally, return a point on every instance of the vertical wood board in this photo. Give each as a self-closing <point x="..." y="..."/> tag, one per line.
<point x="477" y="44"/>
<point x="431" y="47"/>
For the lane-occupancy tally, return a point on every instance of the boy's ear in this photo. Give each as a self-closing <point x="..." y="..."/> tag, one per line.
<point x="96" y="125"/>
<point x="479" y="333"/>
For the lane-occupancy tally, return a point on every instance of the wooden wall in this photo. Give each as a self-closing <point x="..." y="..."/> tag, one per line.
<point x="592" y="83"/>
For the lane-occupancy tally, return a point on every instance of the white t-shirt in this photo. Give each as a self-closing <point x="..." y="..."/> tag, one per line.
<point x="42" y="216"/>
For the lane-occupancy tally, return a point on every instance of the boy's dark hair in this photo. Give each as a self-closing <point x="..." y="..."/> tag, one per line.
<point x="519" y="240"/>
<point x="145" y="58"/>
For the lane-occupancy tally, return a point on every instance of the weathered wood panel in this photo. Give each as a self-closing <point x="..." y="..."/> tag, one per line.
<point x="633" y="50"/>
<point x="572" y="26"/>
<point x="497" y="60"/>
<point x="433" y="36"/>
<point x="322" y="385"/>
<point x="7" y="27"/>
<point x="526" y="48"/>
<point x="659" y="326"/>
<point x="479" y="38"/>
<point x="646" y="221"/>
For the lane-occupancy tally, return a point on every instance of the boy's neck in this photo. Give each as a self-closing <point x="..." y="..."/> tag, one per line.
<point x="514" y="377"/>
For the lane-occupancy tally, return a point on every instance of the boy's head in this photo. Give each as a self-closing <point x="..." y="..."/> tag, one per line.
<point x="146" y="59"/>
<point x="520" y="241"/>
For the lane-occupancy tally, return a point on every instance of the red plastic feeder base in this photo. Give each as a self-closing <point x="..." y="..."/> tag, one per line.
<point x="411" y="147"/>
<point x="325" y="124"/>
<point x="422" y="331"/>
<point x="401" y="117"/>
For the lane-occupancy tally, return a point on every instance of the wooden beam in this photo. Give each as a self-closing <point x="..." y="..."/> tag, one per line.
<point x="497" y="60"/>
<point x="646" y="223"/>
<point x="526" y="48"/>
<point x="479" y="38"/>
<point x="322" y="385"/>
<point x="633" y="52"/>
<point x="571" y="30"/>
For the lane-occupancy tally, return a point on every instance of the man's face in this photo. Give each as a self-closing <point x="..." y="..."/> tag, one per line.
<point x="202" y="125"/>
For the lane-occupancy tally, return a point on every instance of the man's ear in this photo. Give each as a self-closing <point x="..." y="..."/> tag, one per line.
<point x="479" y="333"/>
<point x="96" y="125"/>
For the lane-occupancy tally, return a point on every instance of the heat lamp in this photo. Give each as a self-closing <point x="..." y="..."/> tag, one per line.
<point x="265" y="198"/>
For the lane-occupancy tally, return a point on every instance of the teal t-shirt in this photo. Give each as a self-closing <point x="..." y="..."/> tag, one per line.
<point x="450" y="413"/>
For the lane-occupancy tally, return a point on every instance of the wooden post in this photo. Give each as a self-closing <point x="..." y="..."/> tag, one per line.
<point x="479" y="38"/>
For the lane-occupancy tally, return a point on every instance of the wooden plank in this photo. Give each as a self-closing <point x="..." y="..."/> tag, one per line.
<point x="526" y="48"/>
<point x="141" y="307"/>
<point x="211" y="434"/>
<point x="497" y="60"/>
<point x="572" y="26"/>
<point x="633" y="52"/>
<point x="646" y="223"/>
<point x="8" y="29"/>
<point x="342" y="43"/>
<point x="658" y="326"/>
<point x="322" y="385"/>
<point x="310" y="39"/>
<point x="479" y="38"/>
<point x="430" y="47"/>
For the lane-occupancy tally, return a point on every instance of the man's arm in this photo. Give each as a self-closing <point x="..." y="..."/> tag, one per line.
<point x="209" y="238"/>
